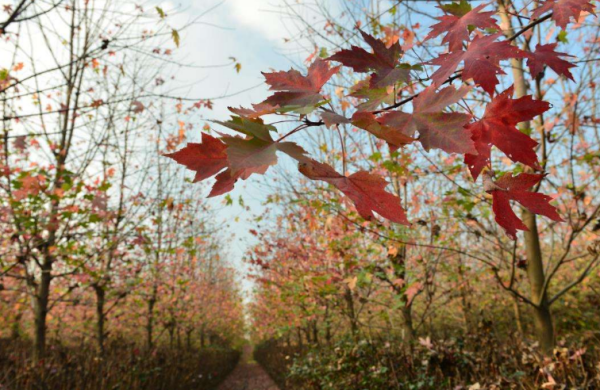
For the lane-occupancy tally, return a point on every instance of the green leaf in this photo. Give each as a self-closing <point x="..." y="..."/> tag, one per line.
<point x="161" y="12"/>
<point x="562" y="37"/>
<point x="457" y="9"/>
<point x="175" y="36"/>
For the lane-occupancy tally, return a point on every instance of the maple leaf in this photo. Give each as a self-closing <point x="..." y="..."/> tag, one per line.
<point x="138" y="107"/>
<point x="241" y="157"/>
<point x="331" y="118"/>
<point x="437" y="129"/>
<point x="459" y="24"/>
<point x="480" y="62"/>
<point x="518" y="188"/>
<point x="256" y="111"/>
<point x="375" y="96"/>
<point x="207" y="158"/>
<point x="395" y="137"/>
<point x="297" y="92"/>
<point x="564" y="10"/>
<point x="251" y="127"/>
<point x="366" y="190"/>
<point x="383" y="61"/>
<point x="498" y="127"/>
<point x="545" y="55"/>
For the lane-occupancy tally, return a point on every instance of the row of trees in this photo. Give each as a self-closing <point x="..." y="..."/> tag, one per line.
<point x="325" y="270"/>
<point x="99" y="235"/>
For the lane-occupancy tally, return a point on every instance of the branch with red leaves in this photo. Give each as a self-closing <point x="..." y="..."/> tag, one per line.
<point x="474" y="56"/>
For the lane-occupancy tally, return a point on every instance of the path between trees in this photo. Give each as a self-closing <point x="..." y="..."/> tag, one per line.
<point x="248" y="375"/>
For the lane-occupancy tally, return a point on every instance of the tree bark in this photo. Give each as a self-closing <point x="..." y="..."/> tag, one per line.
<point x="542" y="317"/>
<point x="41" y="300"/>
<point x="100" y="317"/>
<point x="150" y="323"/>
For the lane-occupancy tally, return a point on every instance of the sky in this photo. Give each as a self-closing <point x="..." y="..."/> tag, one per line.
<point x="253" y="32"/>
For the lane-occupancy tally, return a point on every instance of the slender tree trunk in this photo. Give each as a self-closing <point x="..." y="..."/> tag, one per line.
<point x="41" y="300"/>
<point x="399" y="263"/>
<point x="188" y="340"/>
<point x="171" y="334"/>
<point x="100" y="317"/>
<point x="464" y="299"/>
<point x="300" y="342"/>
<point x="542" y="317"/>
<point x="407" y="322"/>
<point x="518" y="320"/>
<point x="15" y="328"/>
<point x="350" y="310"/>
<point x="150" y="323"/>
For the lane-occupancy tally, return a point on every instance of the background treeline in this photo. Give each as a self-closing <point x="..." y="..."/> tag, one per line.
<point x="112" y="271"/>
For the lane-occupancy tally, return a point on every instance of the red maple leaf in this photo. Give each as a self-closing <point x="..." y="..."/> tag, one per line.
<point x="498" y="127"/>
<point x="395" y="137"/>
<point x="545" y="55"/>
<point x="383" y="61"/>
<point x="518" y="188"/>
<point x="251" y="156"/>
<point x="457" y="25"/>
<point x="331" y="118"/>
<point x="257" y="110"/>
<point x="207" y="158"/>
<point x="298" y="91"/>
<point x="366" y="190"/>
<point x="437" y="129"/>
<point x="564" y="10"/>
<point x="480" y="62"/>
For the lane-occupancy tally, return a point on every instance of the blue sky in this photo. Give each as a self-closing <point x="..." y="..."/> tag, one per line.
<point x="253" y="32"/>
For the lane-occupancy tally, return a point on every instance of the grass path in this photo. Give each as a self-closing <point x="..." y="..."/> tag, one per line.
<point x="248" y="375"/>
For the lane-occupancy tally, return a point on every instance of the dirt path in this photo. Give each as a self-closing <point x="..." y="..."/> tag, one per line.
<point x="248" y="375"/>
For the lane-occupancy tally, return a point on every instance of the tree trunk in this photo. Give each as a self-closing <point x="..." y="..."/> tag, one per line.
<point x="41" y="300"/>
<point x="188" y="339"/>
<point x="542" y="317"/>
<point x="518" y="320"/>
<point x="407" y="322"/>
<point x="100" y="317"/>
<point x="150" y="323"/>
<point x="350" y="311"/>
<point x="15" y="328"/>
<point x="464" y="299"/>
<point x="399" y="263"/>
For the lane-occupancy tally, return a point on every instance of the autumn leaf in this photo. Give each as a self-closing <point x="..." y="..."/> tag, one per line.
<point x="460" y="22"/>
<point x="393" y="136"/>
<point x="297" y="92"/>
<point x="256" y="111"/>
<point x="480" y="62"/>
<point x="138" y="107"/>
<point x="366" y="190"/>
<point x="331" y="118"/>
<point x="498" y="127"/>
<point x="518" y="188"/>
<point x="374" y="96"/>
<point x="437" y="129"/>
<point x="545" y="55"/>
<point x="383" y="62"/>
<point x="251" y="127"/>
<point x="564" y="10"/>
<point x="175" y="36"/>
<point x="206" y="159"/>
